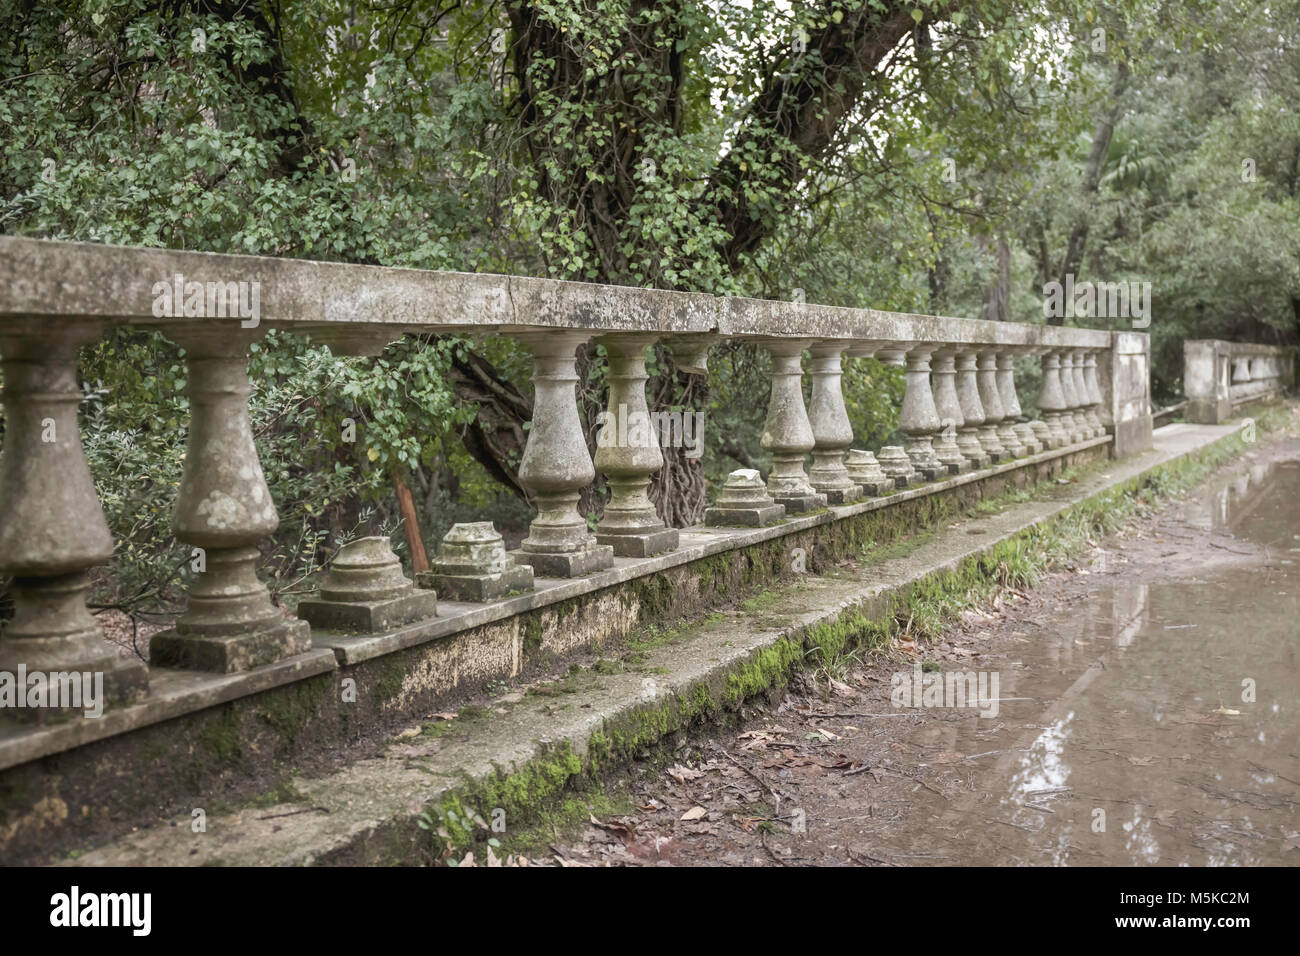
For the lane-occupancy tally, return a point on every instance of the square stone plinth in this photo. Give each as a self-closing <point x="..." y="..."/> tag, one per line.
<point x="983" y="461"/>
<point x="126" y="681"/>
<point x="800" y="504"/>
<point x="842" y="496"/>
<point x="933" y="472"/>
<point x="877" y="488"/>
<point x="958" y="467"/>
<point x="367" y="617"/>
<point x="229" y="653"/>
<point x="641" y="545"/>
<point x="568" y="564"/>
<point x="477" y="588"/>
<point x="755" y="517"/>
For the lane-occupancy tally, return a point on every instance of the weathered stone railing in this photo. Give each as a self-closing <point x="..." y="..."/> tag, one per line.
<point x="1218" y="375"/>
<point x="961" y="412"/>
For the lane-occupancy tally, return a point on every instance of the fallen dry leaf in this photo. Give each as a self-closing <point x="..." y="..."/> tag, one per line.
<point x="682" y="774"/>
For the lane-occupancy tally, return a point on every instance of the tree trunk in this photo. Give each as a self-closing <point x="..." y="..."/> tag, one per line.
<point x="411" y="524"/>
<point x="997" y="297"/>
<point x="1092" y="170"/>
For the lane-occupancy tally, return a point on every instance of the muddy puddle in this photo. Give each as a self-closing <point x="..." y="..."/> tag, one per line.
<point x="1153" y="718"/>
<point x="1147" y="712"/>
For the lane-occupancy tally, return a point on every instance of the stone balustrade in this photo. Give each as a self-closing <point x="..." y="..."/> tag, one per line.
<point x="960" y="413"/>
<point x="1219" y="376"/>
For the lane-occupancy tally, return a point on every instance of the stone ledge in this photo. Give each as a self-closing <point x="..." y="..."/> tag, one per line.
<point x="172" y="693"/>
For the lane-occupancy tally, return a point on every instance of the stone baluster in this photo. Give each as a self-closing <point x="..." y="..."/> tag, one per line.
<point x="1069" y="419"/>
<point x="893" y="353"/>
<point x="1011" y="398"/>
<point x="556" y="465"/>
<point x="690" y="351"/>
<point x="52" y="528"/>
<point x="949" y="408"/>
<point x="1069" y="424"/>
<point x="1094" y="393"/>
<point x="1005" y="377"/>
<point x="1259" y="374"/>
<point x="1038" y="427"/>
<point x="1240" y="370"/>
<point x="628" y="453"/>
<point x="1088" y="413"/>
<point x="1084" y="396"/>
<point x="893" y="459"/>
<point x="972" y="412"/>
<point x="919" y="418"/>
<point x="787" y="433"/>
<point x="1051" y="400"/>
<point x="832" y="433"/>
<point x="224" y="509"/>
<point x="863" y="468"/>
<point x="986" y="379"/>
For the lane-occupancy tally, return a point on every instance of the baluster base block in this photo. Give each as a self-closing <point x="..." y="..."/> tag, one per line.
<point x="126" y="681"/>
<point x="876" y="488"/>
<point x="750" y="517"/>
<point x="229" y="653"/>
<point x="830" y="477"/>
<point x="1010" y="440"/>
<point x="478" y="588"/>
<point x="568" y="564"/>
<point x="1027" y="438"/>
<point x="368" y="617"/>
<point x="642" y="544"/>
<point x="988" y="438"/>
<point x="744" y="503"/>
<point x="800" y="504"/>
<point x="841" y="496"/>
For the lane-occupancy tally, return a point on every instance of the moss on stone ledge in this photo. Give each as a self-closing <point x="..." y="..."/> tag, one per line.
<point x="550" y="784"/>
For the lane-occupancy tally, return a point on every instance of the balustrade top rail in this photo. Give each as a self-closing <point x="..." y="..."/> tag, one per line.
<point x="1218" y="375"/>
<point x="1229" y="348"/>
<point x="52" y="279"/>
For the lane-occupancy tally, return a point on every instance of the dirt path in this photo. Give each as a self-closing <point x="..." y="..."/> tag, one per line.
<point x="1120" y="736"/>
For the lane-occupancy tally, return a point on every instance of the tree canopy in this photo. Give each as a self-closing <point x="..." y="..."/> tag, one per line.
<point x="945" y="157"/>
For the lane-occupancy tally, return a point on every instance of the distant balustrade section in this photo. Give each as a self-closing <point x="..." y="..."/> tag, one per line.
<point x="1220" y="376"/>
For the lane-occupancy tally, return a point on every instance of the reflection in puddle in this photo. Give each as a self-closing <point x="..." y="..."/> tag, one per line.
<point x="1160" y="724"/>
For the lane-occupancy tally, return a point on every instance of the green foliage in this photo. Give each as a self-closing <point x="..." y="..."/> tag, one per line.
<point x="724" y="148"/>
<point x="330" y="432"/>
